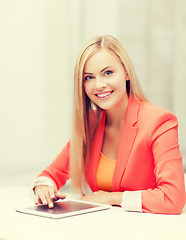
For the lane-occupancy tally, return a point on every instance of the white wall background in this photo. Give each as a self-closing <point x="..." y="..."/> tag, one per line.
<point x="38" y="45"/>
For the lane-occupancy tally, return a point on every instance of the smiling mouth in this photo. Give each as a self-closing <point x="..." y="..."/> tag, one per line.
<point x="104" y="95"/>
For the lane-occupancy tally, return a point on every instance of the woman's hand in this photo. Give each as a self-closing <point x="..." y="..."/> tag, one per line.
<point x="103" y="197"/>
<point x="46" y="195"/>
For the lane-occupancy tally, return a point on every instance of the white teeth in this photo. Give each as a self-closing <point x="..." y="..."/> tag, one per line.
<point x="104" y="94"/>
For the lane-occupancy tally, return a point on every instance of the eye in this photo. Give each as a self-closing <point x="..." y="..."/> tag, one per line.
<point x="89" y="77"/>
<point x="108" y="73"/>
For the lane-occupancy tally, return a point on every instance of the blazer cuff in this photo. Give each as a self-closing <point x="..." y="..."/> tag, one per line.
<point x="44" y="181"/>
<point x="131" y="201"/>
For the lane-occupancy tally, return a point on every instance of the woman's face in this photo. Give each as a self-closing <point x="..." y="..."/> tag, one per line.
<point x="104" y="79"/>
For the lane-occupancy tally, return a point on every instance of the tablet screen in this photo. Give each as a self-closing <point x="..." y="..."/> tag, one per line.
<point x="64" y="208"/>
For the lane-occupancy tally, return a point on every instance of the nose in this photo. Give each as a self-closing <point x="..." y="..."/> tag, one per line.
<point x="100" y="84"/>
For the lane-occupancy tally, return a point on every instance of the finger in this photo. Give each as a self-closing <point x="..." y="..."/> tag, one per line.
<point x="49" y="200"/>
<point x="52" y="193"/>
<point x="60" y="195"/>
<point x="43" y="198"/>
<point x="36" y="199"/>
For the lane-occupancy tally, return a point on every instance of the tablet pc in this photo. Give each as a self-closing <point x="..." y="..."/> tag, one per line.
<point x="64" y="208"/>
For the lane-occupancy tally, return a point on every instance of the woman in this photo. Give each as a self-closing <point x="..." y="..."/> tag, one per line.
<point x="125" y="148"/>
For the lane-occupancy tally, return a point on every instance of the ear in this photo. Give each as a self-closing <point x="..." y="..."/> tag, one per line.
<point x="126" y="76"/>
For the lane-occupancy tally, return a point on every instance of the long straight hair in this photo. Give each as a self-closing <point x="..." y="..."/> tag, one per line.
<point x="81" y="133"/>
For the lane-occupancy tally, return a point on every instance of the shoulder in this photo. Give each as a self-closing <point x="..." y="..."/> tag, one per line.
<point x="152" y="117"/>
<point x="151" y="112"/>
<point x="155" y="121"/>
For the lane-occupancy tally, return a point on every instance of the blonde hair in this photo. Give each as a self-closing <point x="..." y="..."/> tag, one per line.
<point x="81" y="134"/>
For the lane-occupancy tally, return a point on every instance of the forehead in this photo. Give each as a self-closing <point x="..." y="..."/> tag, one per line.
<point x="101" y="59"/>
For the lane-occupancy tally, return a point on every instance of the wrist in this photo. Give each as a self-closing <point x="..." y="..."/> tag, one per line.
<point x="115" y="198"/>
<point x="46" y="181"/>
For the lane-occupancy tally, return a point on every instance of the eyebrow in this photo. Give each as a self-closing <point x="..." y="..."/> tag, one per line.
<point x="105" y="68"/>
<point x="101" y="70"/>
<point x="88" y="73"/>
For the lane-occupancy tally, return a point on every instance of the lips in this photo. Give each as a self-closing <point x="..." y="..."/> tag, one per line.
<point x="104" y="95"/>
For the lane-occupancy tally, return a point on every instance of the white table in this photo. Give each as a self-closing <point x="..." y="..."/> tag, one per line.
<point x="108" y="224"/>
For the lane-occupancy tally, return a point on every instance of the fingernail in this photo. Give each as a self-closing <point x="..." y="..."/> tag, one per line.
<point x="45" y="203"/>
<point x="52" y="196"/>
<point x="51" y="205"/>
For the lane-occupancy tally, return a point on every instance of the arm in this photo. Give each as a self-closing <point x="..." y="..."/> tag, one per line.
<point x="169" y="195"/>
<point x="52" y="179"/>
<point x="58" y="170"/>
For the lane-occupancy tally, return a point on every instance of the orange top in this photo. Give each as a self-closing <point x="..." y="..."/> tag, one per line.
<point x="148" y="158"/>
<point x="105" y="173"/>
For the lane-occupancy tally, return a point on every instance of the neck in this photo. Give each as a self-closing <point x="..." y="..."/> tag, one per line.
<point x="116" y="116"/>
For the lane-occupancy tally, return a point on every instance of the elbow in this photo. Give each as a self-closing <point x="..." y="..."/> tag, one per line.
<point x="175" y="205"/>
<point x="165" y="205"/>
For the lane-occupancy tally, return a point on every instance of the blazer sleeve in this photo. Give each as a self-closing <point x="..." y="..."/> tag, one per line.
<point x="58" y="170"/>
<point x="169" y="196"/>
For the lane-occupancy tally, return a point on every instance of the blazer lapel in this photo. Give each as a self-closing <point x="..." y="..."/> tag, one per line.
<point x="95" y="151"/>
<point x="127" y="140"/>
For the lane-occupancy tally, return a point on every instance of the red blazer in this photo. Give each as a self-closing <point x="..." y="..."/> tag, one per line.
<point x="148" y="159"/>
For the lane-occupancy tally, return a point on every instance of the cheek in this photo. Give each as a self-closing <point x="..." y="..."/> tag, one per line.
<point x="123" y="84"/>
<point x="120" y="83"/>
